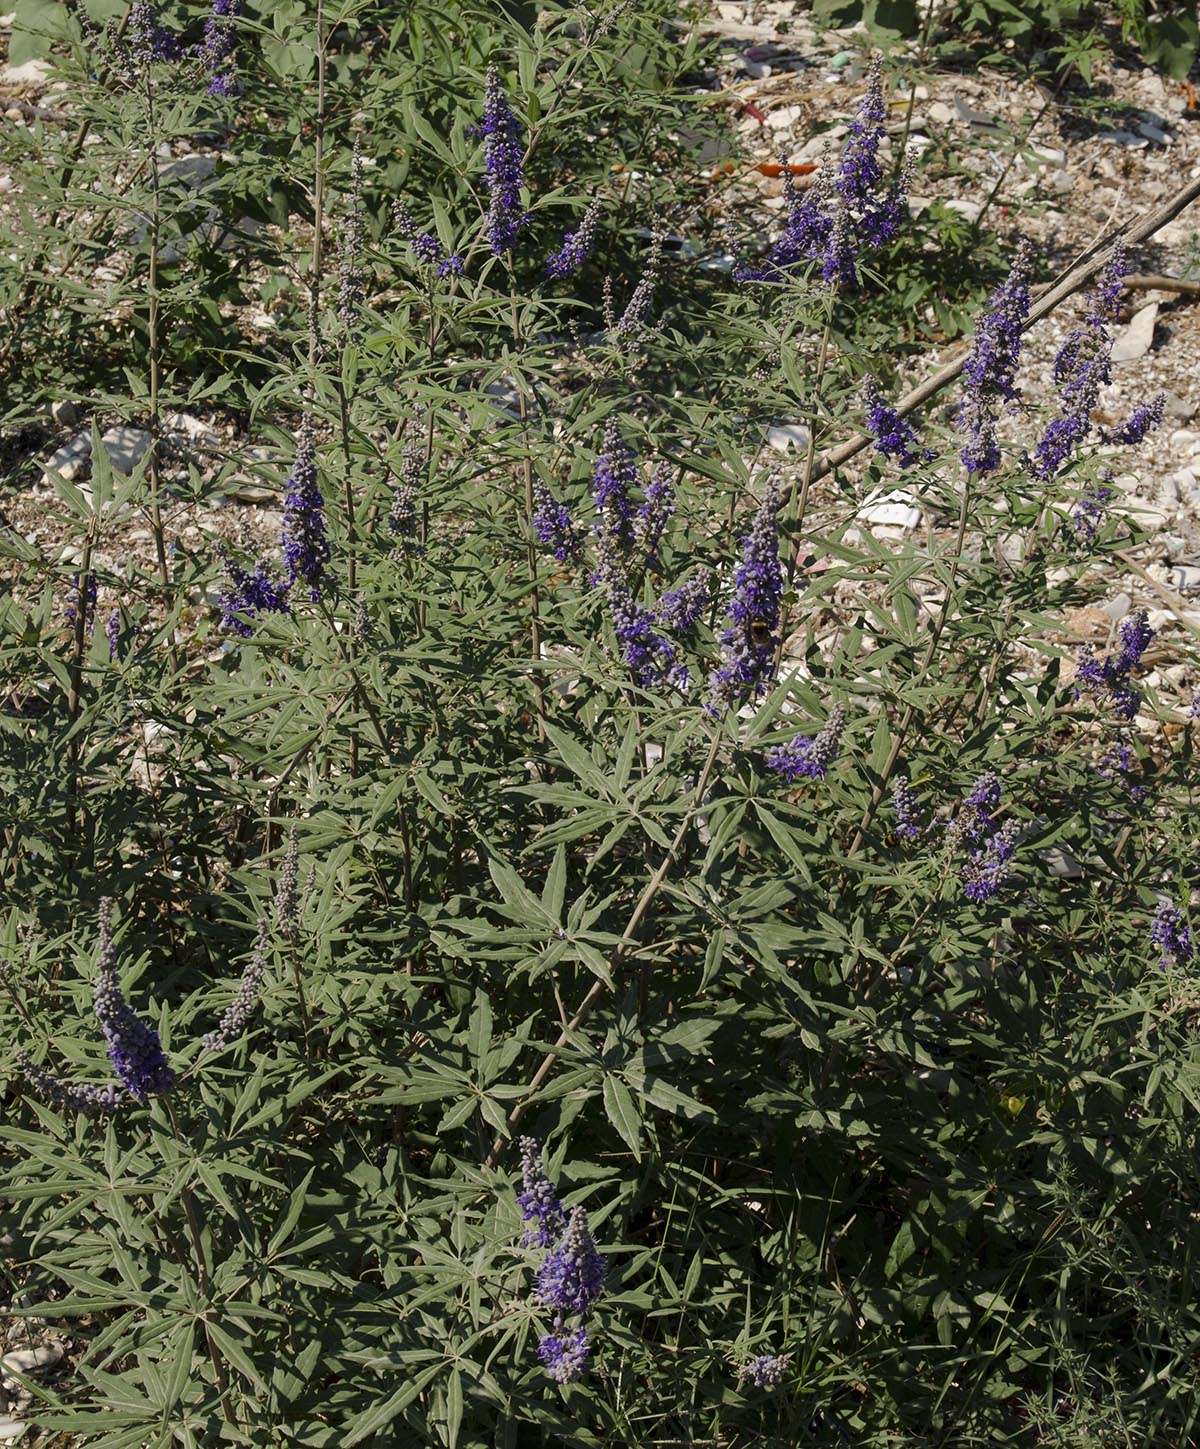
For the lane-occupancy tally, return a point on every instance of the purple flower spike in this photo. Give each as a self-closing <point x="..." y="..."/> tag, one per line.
<point x="679" y="609"/>
<point x="989" y="373"/>
<point x="1089" y="514"/>
<point x="861" y="171"/>
<point x="503" y="161"/>
<point x="1142" y="421"/>
<point x="651" y="657"/>
<point x="894" y="437"/>
<point x="239" y="1011"/>
<point x="656" y="509"/>
<point x="810" y="756"/>
<point x="1170" y="933"/>
<point x="637" y="309"/>
<point x="538" y="1201"/>
<point x="87" y="602"/>
<point x="250" y="593"/>
<point x="576" y="245"/>
<point x="1108" y="683"/>
<point x="748" y="645"/>
<point x="306" y="548"/>
<point x="565" y="1355"/>
<point x="614" y="476"/>
<point x="570" y="1279"/>
<point x="767" y="1371"/>
<point x="907" y="807"/>
<point x="133" y="1047"/>
<point x="988" y="866"/>
<point x="1082" y="367"/>
<point x="59" y="1092"/>
<point x="148" y="40"/>
<point x="552" y="524"/>
<point x="217" y="46"/>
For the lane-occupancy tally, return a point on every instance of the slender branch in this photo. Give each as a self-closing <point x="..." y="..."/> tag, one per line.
<point x="616" y="959"/>
<point x="898" y="739"/>
<point x="156" y="523"/>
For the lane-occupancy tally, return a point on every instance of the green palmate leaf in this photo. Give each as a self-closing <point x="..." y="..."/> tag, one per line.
<point x="622" y="1113"/>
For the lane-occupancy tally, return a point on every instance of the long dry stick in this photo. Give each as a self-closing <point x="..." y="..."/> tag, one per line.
<point x="1077" y="276"/>
<point x="1045" y="303"/>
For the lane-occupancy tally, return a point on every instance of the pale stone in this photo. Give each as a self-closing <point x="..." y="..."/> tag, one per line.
<point x="34" y="72"/>
<point x="30" y="1360"/>
<point x="1137" y="338"/>
<point x="126" y="447"/>
<point x="71" y="457"/>
<point x="890" y="510"/>
<point x="786" y="436"/>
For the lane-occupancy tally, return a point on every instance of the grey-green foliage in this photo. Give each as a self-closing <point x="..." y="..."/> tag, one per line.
<point x="942" y="1155"/>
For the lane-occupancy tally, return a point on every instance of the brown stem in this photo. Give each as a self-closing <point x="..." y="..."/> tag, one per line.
<point x="617" y="957"/>
<point x="156" y="523"/>
<point x="1148" y="282"/>
<point x="535" y="627"/>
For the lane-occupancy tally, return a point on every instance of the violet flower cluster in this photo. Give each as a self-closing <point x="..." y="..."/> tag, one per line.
<point x="679" y="609"/>
<point x="402" y="522"/>
<point x="989" y="848"/>
<point x="1108" y="682"/>
<point x="504" y="166"/>
<point x="750" y="641"/>
<point x="767" y="1371"/>
<point x="907" y="808"/>
<point x="71" y="1096"/>
<point x="352" y="285"/>
<point x="1082" y="367"/>
<point x="895" y="437"/>
<point x="652" y="517"/>
<point x="1169" y="932"/>
<point x="810" y="756"/>
<point x="306" y="548"/>
<point x="1090" y="513"/>
<point x="651" y="655"/>
<point x="133" y="1047"/>
<point x="425" y="246"/>
<point x="1116" y="764"/>
<point x="286" y="903"/>
<point x="552" y="524"/>
<point x="251" y="592"/>
<point x="239" y="1011"/>
<point x="637" y="310"/>
<point x="576" y="245"/>
<point x="216" y="48"/>
<point x="147" y="41"/>
<point x="538" y="1199"/>
<point x="1141" y="422"/>
<point x="989" y="373"/>
<point x="571" y="1274"/>
<point x="845" y="212"/>
<point x="84" y="599"/>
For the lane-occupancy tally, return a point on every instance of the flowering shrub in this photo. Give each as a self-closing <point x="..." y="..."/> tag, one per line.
<point x="559" y="935"/>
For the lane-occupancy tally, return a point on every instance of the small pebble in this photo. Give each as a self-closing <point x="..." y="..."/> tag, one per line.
<point x="30" y="1360"/>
